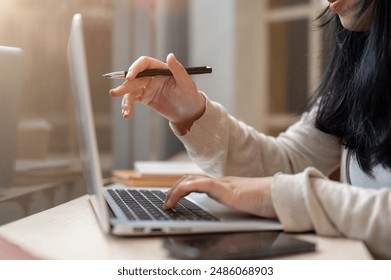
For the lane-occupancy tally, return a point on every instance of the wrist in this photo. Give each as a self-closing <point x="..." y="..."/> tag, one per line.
<point x="183" y="126"/>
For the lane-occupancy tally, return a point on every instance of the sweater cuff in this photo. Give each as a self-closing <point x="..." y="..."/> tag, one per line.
<point x="289" y="194"/>
<point x="202" y="134"/>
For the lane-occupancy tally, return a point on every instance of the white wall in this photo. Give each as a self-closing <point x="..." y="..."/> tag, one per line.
<point x="227" y="35"/>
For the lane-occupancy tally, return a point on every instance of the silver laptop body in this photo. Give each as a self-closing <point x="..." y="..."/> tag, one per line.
<point x="112" y="219"/>
<point x="11" y="78"/>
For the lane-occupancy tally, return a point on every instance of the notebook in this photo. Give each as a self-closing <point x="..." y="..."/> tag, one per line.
<point x="11" y="71"/>
<point x="120" y="210"/>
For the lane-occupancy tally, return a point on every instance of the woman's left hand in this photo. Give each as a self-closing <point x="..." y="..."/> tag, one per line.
<point x="251" y="195"/>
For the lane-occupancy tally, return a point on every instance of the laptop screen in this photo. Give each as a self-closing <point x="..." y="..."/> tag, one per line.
<point x="85" y="123"/>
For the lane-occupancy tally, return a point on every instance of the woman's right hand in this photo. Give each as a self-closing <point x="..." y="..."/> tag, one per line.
<point x="250" y="195"/>
<point x="175" y="97"/>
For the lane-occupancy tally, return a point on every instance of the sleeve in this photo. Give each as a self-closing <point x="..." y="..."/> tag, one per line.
<point x="224" y="146"/>
<point x="312" y="202"/>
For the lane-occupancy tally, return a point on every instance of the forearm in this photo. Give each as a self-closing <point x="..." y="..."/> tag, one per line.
<point x="222" y="146"/>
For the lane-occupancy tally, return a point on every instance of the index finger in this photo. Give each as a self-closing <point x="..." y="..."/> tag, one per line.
<point x="143" y="63"/>
<point x="188" y="185"/>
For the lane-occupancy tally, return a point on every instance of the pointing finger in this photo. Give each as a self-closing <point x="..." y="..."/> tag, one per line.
<point x="188" y="185"/>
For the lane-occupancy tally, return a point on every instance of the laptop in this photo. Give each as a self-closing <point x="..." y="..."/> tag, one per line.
<point x="122" y="210"/>
<point x="11" y="71"/>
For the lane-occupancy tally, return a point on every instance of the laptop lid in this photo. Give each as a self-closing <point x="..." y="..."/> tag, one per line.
<point x="11" y="71"/>
<point x="85" y="122"/>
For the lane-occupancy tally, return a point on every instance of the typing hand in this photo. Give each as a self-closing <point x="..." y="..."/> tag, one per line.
<point x="251" y="195"/>
<point x="175" y="97"/>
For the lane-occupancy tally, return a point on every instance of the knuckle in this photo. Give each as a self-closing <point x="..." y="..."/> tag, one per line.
<point x="143" y="59"/>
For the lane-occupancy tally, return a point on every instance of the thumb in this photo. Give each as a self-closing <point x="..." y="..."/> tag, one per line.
<point x="180" y="74"/>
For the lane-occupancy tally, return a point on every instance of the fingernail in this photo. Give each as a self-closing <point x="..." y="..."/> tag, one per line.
<point x="125" y="112"/>
<point x="129" y="74"/>
<point x="166" y="205"/>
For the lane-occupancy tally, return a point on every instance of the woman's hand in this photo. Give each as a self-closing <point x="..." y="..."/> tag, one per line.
<point x="251" y="195"/>
<point x="175" y="97"/>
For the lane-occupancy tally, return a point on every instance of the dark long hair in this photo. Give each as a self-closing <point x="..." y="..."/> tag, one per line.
<point x="355" y="93"/>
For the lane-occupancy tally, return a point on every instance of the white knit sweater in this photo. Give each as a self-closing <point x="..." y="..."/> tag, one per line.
<point x="299" y="160"/>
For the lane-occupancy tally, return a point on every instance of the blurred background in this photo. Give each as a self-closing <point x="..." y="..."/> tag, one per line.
<point x="266" y="58"/>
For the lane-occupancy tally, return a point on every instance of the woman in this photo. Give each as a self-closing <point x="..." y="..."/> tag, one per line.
<point x="348" y="125"/>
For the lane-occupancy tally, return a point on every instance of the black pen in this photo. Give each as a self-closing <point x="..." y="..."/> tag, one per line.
<point x="158" y="72"/>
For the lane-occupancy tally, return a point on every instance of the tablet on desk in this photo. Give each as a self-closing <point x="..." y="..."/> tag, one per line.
<point x="244" y="245"/>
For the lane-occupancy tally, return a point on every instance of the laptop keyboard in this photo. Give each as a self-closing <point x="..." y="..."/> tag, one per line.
<point x="148" y="205"/>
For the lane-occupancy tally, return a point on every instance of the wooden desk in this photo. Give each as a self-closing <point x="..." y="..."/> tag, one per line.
<point x="71" y="231"/>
